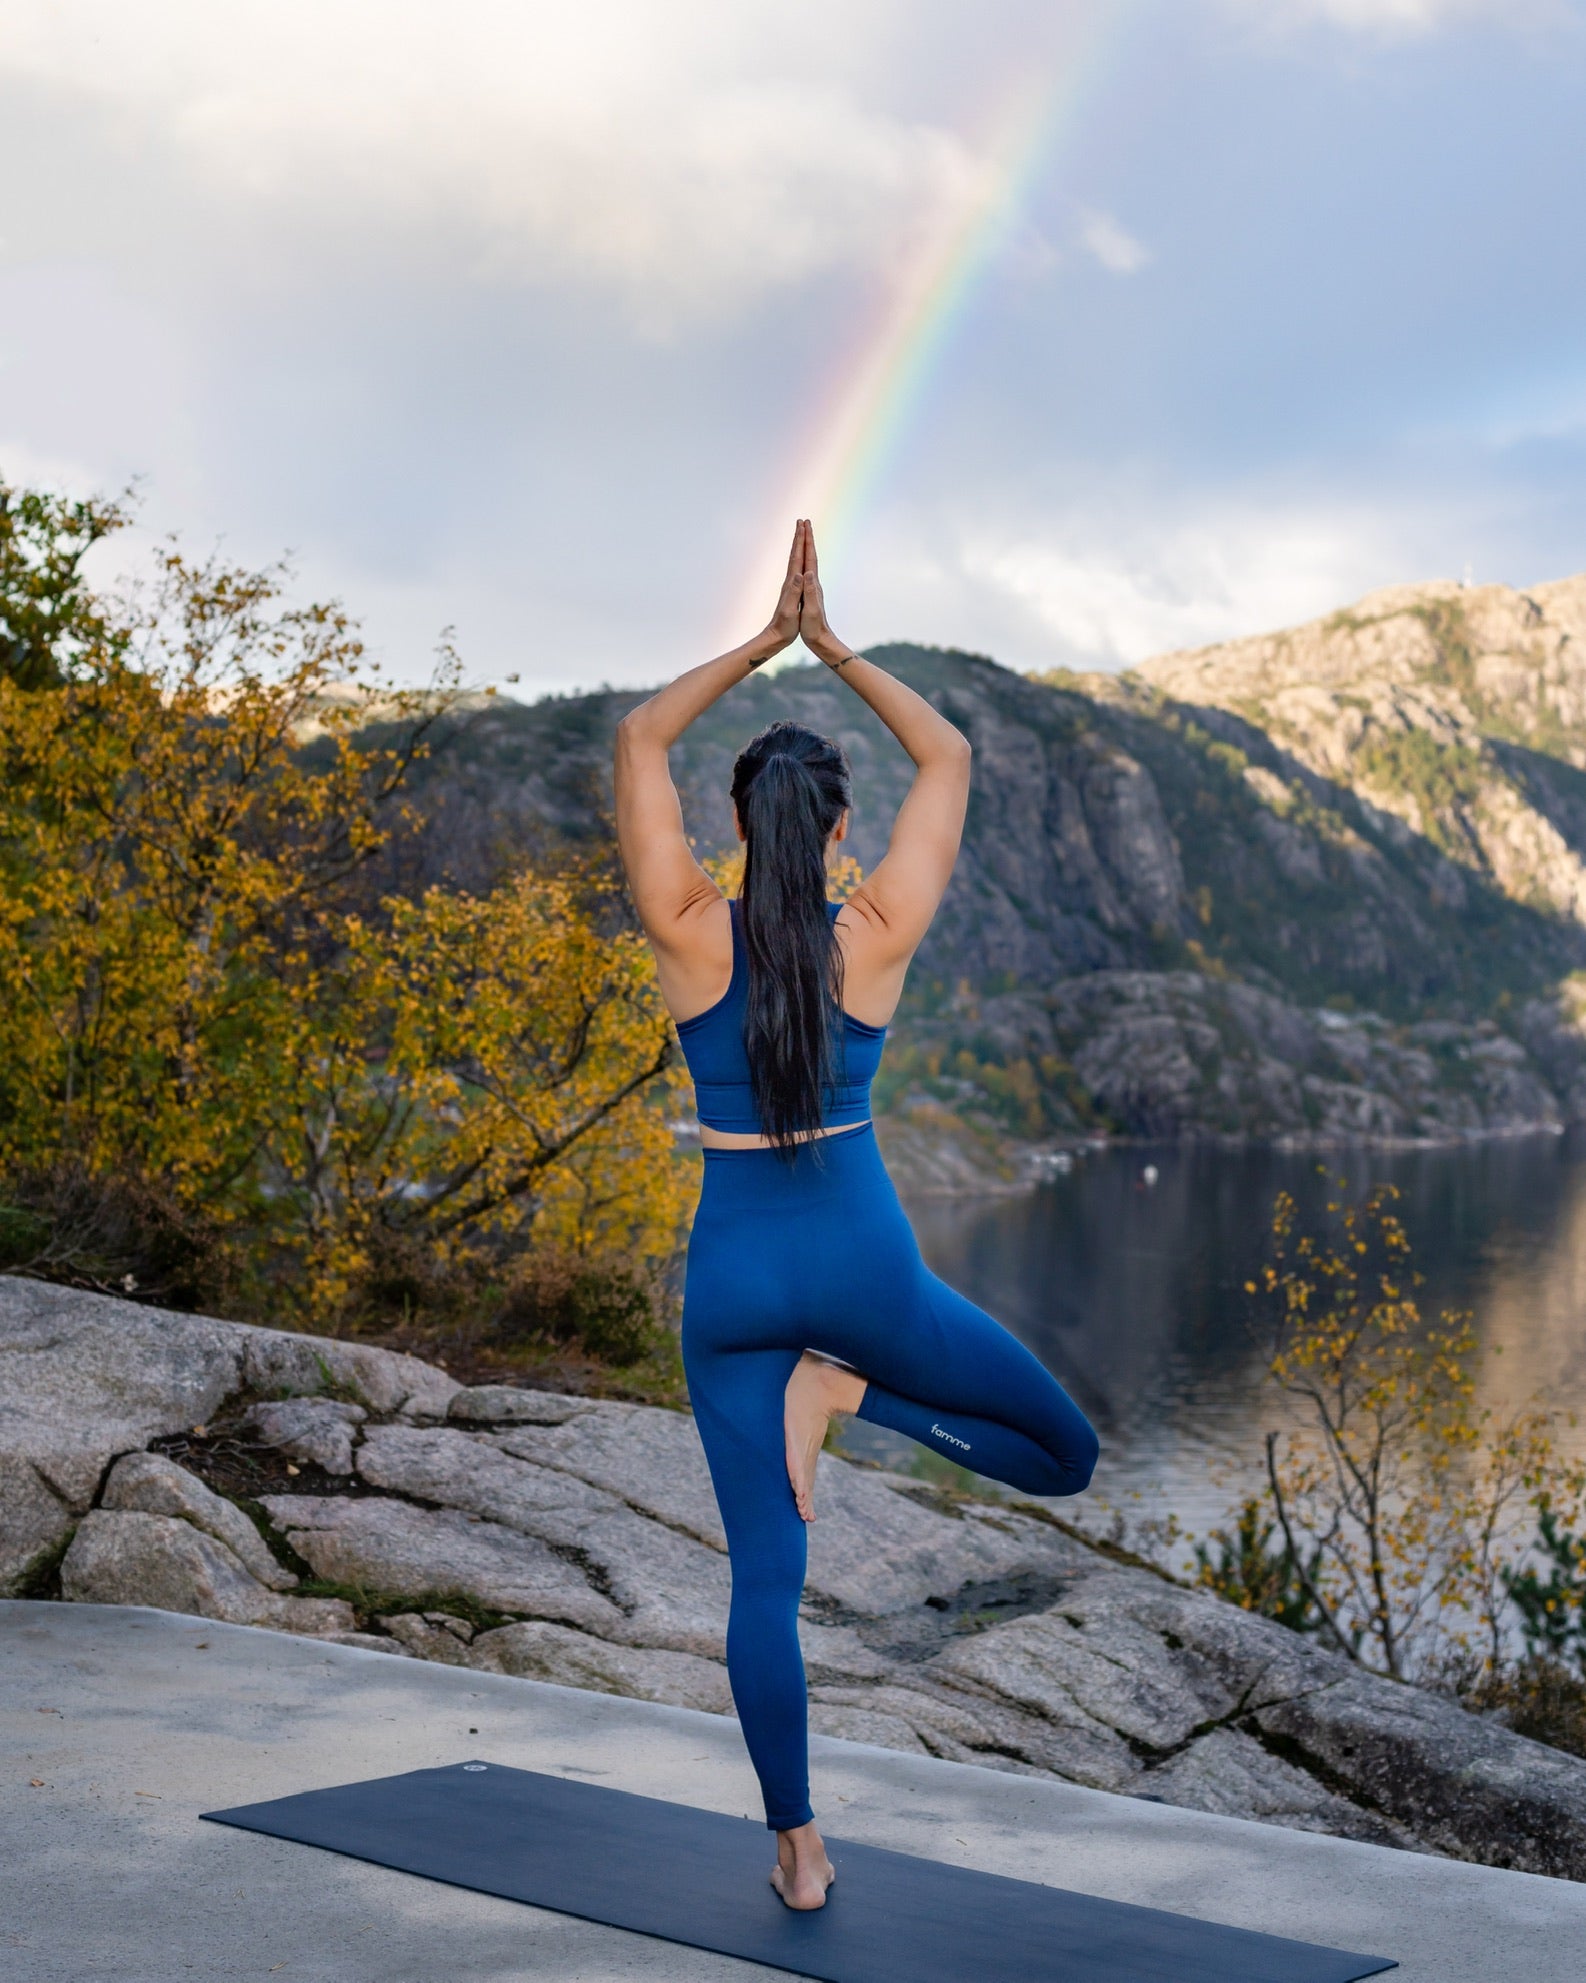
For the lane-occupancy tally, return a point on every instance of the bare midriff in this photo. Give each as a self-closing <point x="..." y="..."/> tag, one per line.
<point x="733" y="1139"/>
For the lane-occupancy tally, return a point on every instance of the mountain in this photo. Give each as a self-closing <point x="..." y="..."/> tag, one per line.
<point x="1327" y="883"/>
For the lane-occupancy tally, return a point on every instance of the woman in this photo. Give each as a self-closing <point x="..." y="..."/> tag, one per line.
<point x="806" y="1297"/>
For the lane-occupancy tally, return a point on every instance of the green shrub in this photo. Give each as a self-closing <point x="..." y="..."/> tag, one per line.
<point x="1242" y="1566"/>
<point x="1552" y="1607"/>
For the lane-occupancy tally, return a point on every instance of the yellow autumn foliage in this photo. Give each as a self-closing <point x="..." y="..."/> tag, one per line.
<point x="1405" y="1508"/>
<point x="201" y="983"/>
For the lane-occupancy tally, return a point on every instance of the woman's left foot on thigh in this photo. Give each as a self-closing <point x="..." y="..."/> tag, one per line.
<point x="817" y="1392"/>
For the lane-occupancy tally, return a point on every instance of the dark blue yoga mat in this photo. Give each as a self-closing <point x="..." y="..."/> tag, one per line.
<point x="700" y="1878"/>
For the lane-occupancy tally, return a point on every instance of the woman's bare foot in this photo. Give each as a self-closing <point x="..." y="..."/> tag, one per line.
<point x="802" y="1872"/>
<point x="817" y="1392"/>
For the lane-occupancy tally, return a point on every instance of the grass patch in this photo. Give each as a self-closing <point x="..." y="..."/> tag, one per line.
<point x="369" y="1605"/>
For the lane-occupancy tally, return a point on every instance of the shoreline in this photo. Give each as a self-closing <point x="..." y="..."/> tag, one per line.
<point x="966" y="1170"/>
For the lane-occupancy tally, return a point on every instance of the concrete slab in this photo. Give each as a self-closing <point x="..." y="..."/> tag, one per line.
<point x="137" y="1720"/>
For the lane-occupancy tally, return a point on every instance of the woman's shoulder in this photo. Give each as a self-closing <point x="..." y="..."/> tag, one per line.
<point x="697" y="967"/>
<point x="873" y="969"/>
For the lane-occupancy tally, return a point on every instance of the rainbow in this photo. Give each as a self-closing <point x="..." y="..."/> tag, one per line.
<point x="879" y="392"/>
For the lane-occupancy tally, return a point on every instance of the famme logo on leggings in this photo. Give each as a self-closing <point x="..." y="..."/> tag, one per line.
<point x="951" y="1439"/>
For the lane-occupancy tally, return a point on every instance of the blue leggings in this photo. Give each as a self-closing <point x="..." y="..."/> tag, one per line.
<point x="820" y="1256"/>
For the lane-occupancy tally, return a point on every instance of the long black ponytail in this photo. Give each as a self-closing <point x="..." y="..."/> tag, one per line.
<point x="790" y="787"/>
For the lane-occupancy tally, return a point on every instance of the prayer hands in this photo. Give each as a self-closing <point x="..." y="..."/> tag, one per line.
<point x="818" y="636"/>
<point x="801" y="604"/>
<point x="783" y="626"/>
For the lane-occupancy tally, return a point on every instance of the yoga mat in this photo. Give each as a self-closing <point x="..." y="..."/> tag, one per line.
<point x="700" y="1878"/>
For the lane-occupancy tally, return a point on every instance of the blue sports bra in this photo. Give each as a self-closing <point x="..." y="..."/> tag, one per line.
<point x="719" y="1062"/>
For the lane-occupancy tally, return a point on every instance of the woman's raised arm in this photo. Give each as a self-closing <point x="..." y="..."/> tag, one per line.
<point x="897" y="899"/>
<point x="670" y="888"/>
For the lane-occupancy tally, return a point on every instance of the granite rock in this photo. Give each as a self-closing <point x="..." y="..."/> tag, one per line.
<point x="150" y="1484"/>
<point x="125" y="1557"/>
<point x="666" y="1588"/>
<point x="369" y="1642"/>
<point x="505" y="1404"/>
<point x="385" y="1547"/>
<point x="320" y="1430"/>
<point x="380" y="1380"/>
<point x="85" y="1378"/>
<point x="536" y="1651"/>
<point x="430" y="1635"/>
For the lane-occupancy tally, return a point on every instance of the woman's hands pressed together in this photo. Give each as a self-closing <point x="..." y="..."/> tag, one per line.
<point x="813" y="628"/>
<point x="782" y="628"/>
<point x="801" y="608"/>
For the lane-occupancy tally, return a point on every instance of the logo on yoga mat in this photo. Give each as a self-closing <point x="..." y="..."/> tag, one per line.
<point x="951" y="1438"/>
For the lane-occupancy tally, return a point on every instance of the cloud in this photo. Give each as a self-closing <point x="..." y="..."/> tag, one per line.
<point x="1112" y="245"/>
<point x="1183" y="585"/>
<point x="1398" y="18"/>
<point x="674" y="156"/>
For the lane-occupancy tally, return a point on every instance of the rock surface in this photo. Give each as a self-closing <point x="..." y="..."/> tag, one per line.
<point x="500" y="1404"/>
<point x="319" y="1430"/>
<point x="85" y="1378"/>
<point x="150" y="1484"/>
<point x="577" y="1541"/>
<point x="574" y="1659"/>
<point x="385" y="1547"/>
<point x="126" y="1558"/>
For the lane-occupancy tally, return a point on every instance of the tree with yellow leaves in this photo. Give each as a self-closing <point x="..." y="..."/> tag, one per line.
<point x="1405" y="1510"/>
<point x="472" y="1067"/>
<point x="201" y="989"/>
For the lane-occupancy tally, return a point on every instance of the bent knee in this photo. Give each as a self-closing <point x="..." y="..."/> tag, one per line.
<point x="1074" y="1464"/>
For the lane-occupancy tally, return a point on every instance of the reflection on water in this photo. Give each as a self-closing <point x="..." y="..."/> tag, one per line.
<point x="1133" y="1293"/>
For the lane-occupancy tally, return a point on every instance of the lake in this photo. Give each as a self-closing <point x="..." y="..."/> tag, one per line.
<point x="1132" y="1292"/>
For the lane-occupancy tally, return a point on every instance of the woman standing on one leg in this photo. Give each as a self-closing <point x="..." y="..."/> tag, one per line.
<point x="806" y="1296"/>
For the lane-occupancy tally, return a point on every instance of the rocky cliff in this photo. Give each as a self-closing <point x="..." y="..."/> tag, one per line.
<point x="1453" y="720"/>
<point x="343" y="1492"/>
<point x="1321" y="885"/>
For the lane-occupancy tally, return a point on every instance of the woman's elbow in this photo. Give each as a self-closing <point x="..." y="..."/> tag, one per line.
<point x="630" y="735"/>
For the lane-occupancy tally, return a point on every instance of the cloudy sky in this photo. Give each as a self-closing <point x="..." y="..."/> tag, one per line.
<point x="1087" y="329"/>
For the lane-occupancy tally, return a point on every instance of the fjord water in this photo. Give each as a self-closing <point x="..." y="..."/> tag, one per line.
<point x="1132" y="1293"/>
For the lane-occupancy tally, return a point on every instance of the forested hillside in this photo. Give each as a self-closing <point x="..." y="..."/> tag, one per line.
<point x="1326" y="883"/>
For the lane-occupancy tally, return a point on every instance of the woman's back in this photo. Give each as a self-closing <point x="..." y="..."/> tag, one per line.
<point x="717" y="1053"/>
